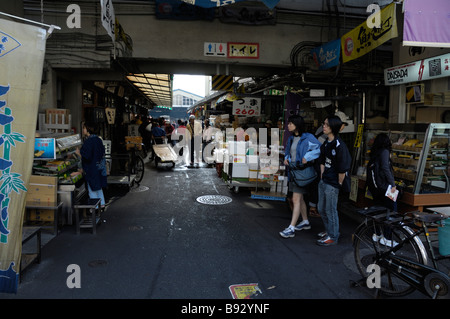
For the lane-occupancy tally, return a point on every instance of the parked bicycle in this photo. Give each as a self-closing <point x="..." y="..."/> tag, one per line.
<point x="393" y="242"/>
<point x="136" y="167"/>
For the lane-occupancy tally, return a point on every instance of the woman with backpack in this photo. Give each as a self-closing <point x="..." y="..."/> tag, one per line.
<point x="380" y="174"/>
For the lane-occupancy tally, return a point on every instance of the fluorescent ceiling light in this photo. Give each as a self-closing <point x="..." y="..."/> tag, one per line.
<point x="157" y="87"/>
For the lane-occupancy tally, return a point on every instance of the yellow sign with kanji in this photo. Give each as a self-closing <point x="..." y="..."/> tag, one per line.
<point x="243" y="50"/>
<point x="366" y="37"/>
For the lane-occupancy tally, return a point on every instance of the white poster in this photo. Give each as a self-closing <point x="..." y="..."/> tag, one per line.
<point x="22" y="51"/>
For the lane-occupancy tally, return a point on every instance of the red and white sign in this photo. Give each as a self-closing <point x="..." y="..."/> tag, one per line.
<point x="247" y="106"/>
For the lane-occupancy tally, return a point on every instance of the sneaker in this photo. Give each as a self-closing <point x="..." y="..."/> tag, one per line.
<point x="287" y="233"/>
<point x="303" y="225"/>
<point x="326" y="241"/>
<point x="322" y="234"/>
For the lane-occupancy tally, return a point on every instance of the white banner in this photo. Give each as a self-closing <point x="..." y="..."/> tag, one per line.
<point x="108" y="18"/>
<point x="426" y="69"/>
<point x="22" y="51"/>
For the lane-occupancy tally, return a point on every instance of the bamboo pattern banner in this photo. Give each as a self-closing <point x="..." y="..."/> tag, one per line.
<point x="22" y="50"/>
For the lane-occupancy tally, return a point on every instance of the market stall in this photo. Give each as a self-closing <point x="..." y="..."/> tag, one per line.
<point x="420" y="158"/>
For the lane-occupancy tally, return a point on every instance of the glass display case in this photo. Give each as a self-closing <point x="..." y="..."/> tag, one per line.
<point x="420" y="158"/>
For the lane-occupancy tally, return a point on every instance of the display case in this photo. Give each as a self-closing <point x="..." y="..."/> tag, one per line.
<point x="420" y="158"/>
<point x="64" y="165"/>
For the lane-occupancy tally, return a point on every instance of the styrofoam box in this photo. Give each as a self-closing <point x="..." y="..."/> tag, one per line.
<point x="240" y="170"/>
<point x="252" y="159"/>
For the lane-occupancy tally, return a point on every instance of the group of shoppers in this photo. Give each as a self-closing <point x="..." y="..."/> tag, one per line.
<point x="332" y="161"/>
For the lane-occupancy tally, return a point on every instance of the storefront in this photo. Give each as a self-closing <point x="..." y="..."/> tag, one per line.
<point x="420" y="152"/>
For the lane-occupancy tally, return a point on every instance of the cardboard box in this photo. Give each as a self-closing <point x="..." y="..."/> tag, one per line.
<point x="42" y="191"/>
<point x="46" y="215"/>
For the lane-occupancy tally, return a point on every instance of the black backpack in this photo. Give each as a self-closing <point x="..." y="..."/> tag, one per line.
<point x="373" y="182"/>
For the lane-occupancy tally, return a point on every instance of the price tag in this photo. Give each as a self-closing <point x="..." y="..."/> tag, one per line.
<point x="247" y="106"/>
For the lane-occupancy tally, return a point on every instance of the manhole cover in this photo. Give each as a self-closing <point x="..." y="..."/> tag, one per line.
<point x="139" y="189"/>
<point x="214" y="199"/>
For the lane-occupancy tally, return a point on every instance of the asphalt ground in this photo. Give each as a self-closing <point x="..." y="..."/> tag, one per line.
<point x="160" y="243"/>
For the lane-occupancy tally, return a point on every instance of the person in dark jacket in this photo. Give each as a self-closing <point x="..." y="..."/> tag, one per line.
<point x="92" y="155"/>
<point x="381" y="153"/>
<point x="335" y="162"/>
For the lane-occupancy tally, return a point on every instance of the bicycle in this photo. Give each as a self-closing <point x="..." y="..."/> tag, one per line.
<point x="136" y="167"/>
<point x="392" y="242"/>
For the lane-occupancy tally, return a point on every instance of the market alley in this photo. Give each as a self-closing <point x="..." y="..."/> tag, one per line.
<point x="159" y="242"/>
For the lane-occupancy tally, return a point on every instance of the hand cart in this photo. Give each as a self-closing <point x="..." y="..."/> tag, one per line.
<point x="164" y="153"/>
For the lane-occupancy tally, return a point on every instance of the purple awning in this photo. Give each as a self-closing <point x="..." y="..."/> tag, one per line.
<point x="427" y="23"/>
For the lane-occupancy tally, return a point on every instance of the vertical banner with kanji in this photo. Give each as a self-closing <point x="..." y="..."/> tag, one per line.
<point x="22" y="50"/>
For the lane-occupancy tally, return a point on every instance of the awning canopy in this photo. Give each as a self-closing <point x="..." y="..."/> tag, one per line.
<point x="157" y="87"/>
<point x="206" y="99"/>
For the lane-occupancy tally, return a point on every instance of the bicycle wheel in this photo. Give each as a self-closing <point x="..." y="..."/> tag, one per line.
<point x="368" y="246"/>
<point x="138" y="169"/>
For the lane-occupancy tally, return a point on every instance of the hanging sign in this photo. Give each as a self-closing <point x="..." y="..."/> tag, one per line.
<point x="426" y="69"/>
<point x="110" y="114"/>
<point x="365" y="38"/>
<point x="20" y="87"/>
<point x="327" y="55"/>
<point x="247" y="106"/>
<point x="108" y="17"/>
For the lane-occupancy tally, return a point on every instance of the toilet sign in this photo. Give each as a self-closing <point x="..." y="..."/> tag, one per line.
<point x="215" y="49"/>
